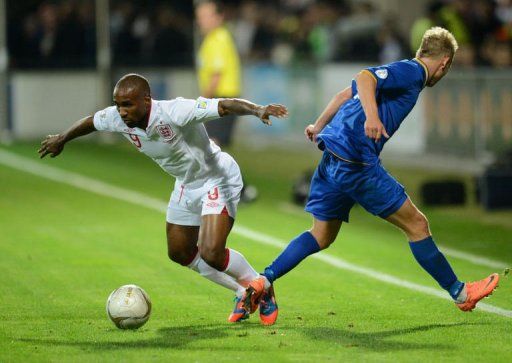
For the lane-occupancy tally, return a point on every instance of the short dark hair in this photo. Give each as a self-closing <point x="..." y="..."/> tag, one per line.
<point x="136" y="81"/>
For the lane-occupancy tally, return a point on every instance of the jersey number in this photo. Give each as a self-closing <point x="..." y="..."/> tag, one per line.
<point x="136" y="140"/>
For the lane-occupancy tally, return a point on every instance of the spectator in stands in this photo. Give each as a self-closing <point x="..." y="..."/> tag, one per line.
<point x="171" y="46"/>
<point x="454" y="16"/>
<point x="421" y="25"/>
<point x="61" y="33"/>
<point x="359" y="27"/>
<point x="392" y="46"/>
<point x="244" y="27"/>
<point x="496" y="53"/>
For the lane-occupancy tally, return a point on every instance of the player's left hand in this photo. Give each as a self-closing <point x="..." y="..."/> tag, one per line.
<point x="273" y="109"/>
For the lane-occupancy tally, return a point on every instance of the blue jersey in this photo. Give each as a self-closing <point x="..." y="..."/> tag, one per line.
<point x="398" y="88"/>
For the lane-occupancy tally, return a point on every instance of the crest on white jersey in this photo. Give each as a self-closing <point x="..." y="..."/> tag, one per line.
<point x="202" y="104"/>
<point x="382" y="73"/>
<point x="166" y="132"/>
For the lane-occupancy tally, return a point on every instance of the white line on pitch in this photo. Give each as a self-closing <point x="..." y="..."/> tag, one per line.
<point x="93" y="185"/>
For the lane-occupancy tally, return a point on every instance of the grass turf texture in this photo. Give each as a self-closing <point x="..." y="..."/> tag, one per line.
<point x="64" y="249"/>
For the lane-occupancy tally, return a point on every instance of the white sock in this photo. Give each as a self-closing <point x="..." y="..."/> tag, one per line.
<point x="462" y="297"/>
<point x="214" y="275"/>
<point x="267" y="283"/>
<point x="239" y="268"/>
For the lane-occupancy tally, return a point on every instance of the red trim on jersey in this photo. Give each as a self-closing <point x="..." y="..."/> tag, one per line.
<point x="181" y="194"/>
<point x="226" y="263"/>
<point x="193" y="256"/>
<point x="146" y="121"/>
<point x="225" y="211"/>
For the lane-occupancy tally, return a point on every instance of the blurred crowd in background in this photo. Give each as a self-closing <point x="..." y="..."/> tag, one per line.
<point x="286" y="32"/>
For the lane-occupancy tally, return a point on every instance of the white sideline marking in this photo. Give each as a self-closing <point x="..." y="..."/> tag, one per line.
<point x="93" y="185"/>
<point x="477" y="260"/>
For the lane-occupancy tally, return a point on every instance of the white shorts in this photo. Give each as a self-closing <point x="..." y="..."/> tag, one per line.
<point x="217" y="195"/>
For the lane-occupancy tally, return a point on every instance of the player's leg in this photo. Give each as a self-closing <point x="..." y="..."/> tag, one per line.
<point x="214" y="232"/>
<point x="319" y="237"/>
<point x="260" y="291"/>
<point x="380" y="194"/>
<point x="182" y="248"/>
<point x="329" y="206"/>
<point x="215" y="229"/>
<point x="219" y="205"/>
<point x="219" y="202"/>
<point x="415" y="225"/>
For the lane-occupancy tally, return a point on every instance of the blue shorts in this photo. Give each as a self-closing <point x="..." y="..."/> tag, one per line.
<point x="337" y="185"/>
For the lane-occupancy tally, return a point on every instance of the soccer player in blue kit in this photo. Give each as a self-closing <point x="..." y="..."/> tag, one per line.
<point x="352" y="131"/>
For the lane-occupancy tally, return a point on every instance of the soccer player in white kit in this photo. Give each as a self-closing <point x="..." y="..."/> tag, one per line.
<point x="203" y="205"/>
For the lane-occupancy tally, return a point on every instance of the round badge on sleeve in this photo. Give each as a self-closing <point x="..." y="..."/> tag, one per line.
<point x="382" y="73"/>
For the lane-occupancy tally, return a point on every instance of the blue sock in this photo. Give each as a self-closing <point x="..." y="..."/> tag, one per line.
<point x="434" y="262"/>
<point x="297" y="250"/>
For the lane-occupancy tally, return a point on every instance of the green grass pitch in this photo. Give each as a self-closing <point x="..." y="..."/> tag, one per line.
<point x="63" y="249"/>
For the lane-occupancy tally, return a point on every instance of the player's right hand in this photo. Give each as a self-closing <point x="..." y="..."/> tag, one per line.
<point x="273" y="109"/>
<point x="52" y="144"/>
<point x="311" y="133"/>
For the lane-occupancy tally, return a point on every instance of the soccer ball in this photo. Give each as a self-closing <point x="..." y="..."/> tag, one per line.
<point x="129" y="307"/>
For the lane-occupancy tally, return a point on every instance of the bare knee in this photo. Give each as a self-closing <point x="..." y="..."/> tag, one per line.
<point x="325" y="232"/>
<point x="181" y="256"/>
<point x="182" y="243"/>
<point x="417" y="227"/>
<point x="180" y="252"/>
<point x="215" y="257"/>
<point x="324" y="240"/>
<point x="178" y="257"/>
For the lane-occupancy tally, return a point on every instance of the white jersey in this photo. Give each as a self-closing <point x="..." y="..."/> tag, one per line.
<point x="175" y="137"/>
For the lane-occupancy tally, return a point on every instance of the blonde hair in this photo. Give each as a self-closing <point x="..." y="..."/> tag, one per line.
<point x="437" y="42"/>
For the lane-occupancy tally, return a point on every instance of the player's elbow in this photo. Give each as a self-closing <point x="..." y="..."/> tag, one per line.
<point x="226" y="106"/>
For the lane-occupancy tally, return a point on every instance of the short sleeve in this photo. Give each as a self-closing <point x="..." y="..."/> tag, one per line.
<point x="105" y="120"/>
<point x="397" y="75"/>
<point x="184" y="111"/>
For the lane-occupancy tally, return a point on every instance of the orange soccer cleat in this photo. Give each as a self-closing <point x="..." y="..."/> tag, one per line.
<point x="253" y="294"/>
<point x="268" y="307"/>
<point x="239" y="313"/>
<point x="477" y="290"/>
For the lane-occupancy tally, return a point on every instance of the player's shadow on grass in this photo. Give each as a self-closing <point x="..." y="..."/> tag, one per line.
<point x="379" y="341"/>
<point x="170" y="337"/>
<point x="179" y="337"/>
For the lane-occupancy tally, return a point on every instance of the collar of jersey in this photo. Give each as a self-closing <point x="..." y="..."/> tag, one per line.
<point x="424" y="68"/>
<point x="152" y="115"/>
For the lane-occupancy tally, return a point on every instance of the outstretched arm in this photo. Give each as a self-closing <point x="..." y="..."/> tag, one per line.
<point x="54" y="144"/>
<point x="366" y="86"/>
<point x="328" y="113"/>
<point x="240" y="107"/>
